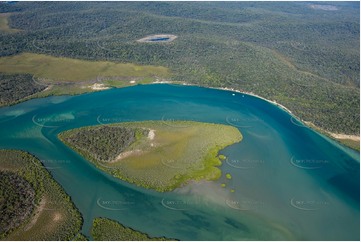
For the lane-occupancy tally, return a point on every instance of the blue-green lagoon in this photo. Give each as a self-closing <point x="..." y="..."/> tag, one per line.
<point x="289" y="182"/>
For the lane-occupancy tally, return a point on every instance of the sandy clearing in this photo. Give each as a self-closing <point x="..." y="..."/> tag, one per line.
<point x="48" y="88"/>
<point x="151" y="134"/>
<point x="126" y="154"/>
<point x="98" y="86"/>
<point x="39" y="210"/>
<point x="57" y="217"/>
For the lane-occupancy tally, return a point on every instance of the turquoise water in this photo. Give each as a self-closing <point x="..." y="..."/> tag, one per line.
<point x="289" y="181"/>
<point x="159" y="39"/>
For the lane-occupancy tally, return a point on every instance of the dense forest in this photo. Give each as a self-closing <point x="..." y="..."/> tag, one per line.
<point x="24" y="183"/>
<point x="16" y="201"/>
<point x="104" y="143"/>
<point x="104" y="229"/>
<point x="14" y="88"/>
<point x="303" y="55"/>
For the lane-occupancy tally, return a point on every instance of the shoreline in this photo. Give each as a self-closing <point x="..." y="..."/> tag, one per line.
<point x="227" y="89"/>
<point x="335" y="136"/>
<point x="255" y="95"/>
<point x="345" y="136"/>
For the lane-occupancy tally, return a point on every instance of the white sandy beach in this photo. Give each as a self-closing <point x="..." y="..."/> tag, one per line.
<point x="334" y="135"/>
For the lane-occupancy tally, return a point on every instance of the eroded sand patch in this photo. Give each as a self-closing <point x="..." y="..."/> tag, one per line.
<point x="57" y="217"/>
<point x="98" y="86"/>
